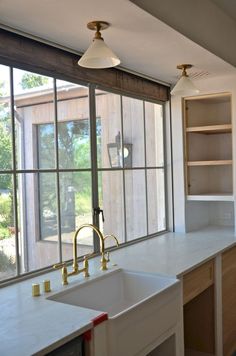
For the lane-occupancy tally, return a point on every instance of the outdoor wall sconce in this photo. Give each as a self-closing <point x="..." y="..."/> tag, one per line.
<point x="116" y="158"/>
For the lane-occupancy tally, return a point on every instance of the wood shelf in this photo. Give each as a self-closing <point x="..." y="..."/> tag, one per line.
<point x="210" y="129"/>
<point x="211" y="197"/>
<point x="210" y="163"/>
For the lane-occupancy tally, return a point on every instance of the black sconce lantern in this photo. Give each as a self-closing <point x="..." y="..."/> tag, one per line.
<point x="115" y="153"/>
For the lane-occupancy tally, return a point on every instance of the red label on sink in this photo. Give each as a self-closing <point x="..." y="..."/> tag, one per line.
<point x="99" y="319"/>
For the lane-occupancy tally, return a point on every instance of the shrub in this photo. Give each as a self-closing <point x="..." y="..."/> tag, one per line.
<point x="6" y="263"/>
<point x="6" y="210"/>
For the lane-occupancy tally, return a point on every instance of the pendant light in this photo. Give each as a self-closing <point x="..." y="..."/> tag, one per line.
<point x="184" y="86"/>
<point x="98" y="55"/>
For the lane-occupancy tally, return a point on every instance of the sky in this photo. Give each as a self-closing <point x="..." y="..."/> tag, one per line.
<point x="17" y="75"/>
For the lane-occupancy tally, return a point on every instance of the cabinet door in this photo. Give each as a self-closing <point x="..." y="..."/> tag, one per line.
<point x="229" y="301"/>
<point x="198" y="300"/>
<point x="196" y="281"/>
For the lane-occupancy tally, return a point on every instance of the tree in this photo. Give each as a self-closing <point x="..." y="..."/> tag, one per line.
<point x="6" y="201"/>
<point x="5" y="157"/>
<point x="29" y="81"/>
<point x="5" y="141"/>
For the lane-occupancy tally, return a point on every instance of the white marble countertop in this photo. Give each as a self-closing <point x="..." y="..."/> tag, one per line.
<point x="30" y="325"/>
<point x="174" y="254"/>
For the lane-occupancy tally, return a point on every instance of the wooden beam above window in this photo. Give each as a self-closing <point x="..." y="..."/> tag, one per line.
<point x="38" y="57"/>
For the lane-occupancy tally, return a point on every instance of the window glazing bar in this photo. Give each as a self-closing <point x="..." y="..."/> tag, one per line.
<point x="14" y="162"/>
<point x="123" y="174"/>
<point x="57" y="171"/>
<point x="145" y="163"/>
<point x="93" y="150"/>
<point x="165" y="166"/>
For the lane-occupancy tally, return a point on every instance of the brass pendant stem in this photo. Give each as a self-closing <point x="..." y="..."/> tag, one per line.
<point x="184" y="67"/>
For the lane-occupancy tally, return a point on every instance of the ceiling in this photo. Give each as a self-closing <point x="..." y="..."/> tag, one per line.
<point x="228" y="6"/>
<point x="143" y="42"/>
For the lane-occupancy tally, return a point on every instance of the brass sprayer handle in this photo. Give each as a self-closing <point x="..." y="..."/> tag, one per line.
<point x="59" y="265"/>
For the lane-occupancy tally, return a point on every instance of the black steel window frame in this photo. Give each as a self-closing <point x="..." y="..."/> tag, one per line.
<point x="94" y="170"/>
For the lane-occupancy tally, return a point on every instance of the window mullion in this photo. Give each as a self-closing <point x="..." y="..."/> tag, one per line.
<point x="123" y="170"/>
<point x="93" y="150"/>
<point x="165" y="166"/>
<point x="145" y="164"/>
<point x="14" y="174"/>
<point x="57" y="170"/>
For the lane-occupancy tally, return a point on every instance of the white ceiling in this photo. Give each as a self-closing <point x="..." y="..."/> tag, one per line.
<point x="143" y="43"/>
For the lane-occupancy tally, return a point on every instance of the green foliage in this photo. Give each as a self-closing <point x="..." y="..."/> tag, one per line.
<point x="5" y="163"/>
<point x="5" y="140"/>
<point x="6" y="263"/>
<point x="6" y="216"/>
<point x="5" y="156"/>
<point x="30" y="80"/>
<point x="4" y="233"/>
<point x="82" y="203"/>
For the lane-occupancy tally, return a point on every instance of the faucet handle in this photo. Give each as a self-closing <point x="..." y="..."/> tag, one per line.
<point x="59" y="265"/>
<point x="86" y="267"/>
<point x="64" y="273"/>
<point x="107" y="256"/>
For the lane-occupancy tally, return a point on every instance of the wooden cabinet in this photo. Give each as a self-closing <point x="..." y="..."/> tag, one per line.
<point x="229" y="301"/>
<point x="208" y="161"/>
<point x="198" y="300"/>
<point x="196" y="281"/>
<point x="208" y="147"/>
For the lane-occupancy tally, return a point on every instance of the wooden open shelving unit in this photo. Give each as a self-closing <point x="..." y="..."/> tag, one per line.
<point x="208" y="147"/>
<point x="210" y="163"/>
<point x="211" y="129"/>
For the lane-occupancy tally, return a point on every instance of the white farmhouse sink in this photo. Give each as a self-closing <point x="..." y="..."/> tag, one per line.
<point x="138" y="305"/>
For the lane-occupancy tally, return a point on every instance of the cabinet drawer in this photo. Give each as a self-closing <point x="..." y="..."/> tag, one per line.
<point x="196" y="281"/>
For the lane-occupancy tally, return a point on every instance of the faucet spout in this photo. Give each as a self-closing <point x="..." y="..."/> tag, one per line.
<point x="102" y="246"/>
<point x="114" y="237"/>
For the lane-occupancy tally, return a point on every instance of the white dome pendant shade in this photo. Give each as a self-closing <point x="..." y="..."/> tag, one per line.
<point x="184" y="86"/>
<point x="98" y="55"/>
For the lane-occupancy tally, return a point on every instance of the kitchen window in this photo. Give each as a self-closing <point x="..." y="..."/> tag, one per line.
<point x="65" y="150"/>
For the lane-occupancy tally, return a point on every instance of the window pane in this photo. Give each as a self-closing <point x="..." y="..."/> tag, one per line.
<point x="76" y="209"/>
<point x="38" y="220"/>
<point x="154" y="134"/>
<point x="73" y="125"/>
<point x="156" y="200"/>
<point x="46" y="145"/>
<point x="33" y="100"/>
<point x="112" y="202"/>
<point x="7" y="229"/>
<point x="48" y="206"/>
<point x="108" y="113"/>
<point x="136" y="215"/>
<point x="5" y="120"/>
<point x="133" y="127"/>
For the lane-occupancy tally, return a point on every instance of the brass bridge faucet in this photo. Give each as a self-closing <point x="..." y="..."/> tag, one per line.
<point x="75" y="265"/>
